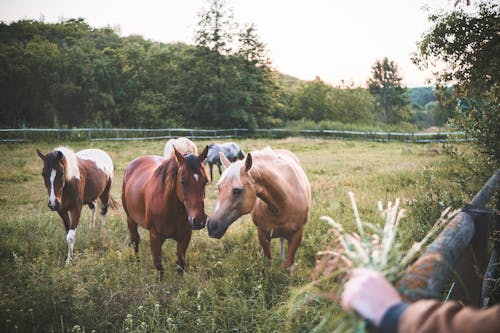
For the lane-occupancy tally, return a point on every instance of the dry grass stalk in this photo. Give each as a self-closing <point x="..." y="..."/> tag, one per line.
<point x="379" y="251"/>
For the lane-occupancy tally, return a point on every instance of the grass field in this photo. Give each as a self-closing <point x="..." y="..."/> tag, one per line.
<point x="228" y="286"/>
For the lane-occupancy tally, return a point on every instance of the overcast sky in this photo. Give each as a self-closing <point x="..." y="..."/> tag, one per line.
<point x="333" y="39"/>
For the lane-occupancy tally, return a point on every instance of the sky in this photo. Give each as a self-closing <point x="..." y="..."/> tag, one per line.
<point x="333" y="39"/>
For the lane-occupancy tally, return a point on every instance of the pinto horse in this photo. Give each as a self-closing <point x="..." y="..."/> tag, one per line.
<point x="73" y="180"/>
<point x="272" y="186"/>
<point x="165" y="196"/>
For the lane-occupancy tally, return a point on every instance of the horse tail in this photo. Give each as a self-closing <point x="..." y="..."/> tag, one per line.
<point x="115" y="205"/>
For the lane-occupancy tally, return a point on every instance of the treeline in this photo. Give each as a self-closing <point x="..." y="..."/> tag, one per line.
<point x="69" y="74"/>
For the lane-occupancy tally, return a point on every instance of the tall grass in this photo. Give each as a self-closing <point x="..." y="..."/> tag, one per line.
<point x="228" y="287"/>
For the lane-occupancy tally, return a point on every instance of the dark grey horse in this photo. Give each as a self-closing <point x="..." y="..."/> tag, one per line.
<point x="230" y="149"/>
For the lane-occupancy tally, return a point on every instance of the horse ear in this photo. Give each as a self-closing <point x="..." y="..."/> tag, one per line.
<point x="203" y="154"/>
<point x="59" y="156"/>
<point x="178" y="155"/>
<point x="225" y="162"/>
<point x="248" y="162"/>
<point x="42" y="156"/>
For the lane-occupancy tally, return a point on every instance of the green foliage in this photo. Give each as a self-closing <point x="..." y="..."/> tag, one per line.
<point x="480" y="119"/>
<point x="421" y="96"/>
<point x="390" y="97"/>
<point x="318" y="101"/>
<point x="70" y="74"/>
<point x="304" y="124"/>
<point x="466" y="40"/>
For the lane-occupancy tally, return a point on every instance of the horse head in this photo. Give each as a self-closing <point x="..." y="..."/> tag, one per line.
<point x="237" y="195"/>
<point x="190" y="186"/>
<point x="53" y="173"/>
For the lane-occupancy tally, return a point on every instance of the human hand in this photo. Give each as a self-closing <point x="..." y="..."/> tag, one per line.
<point x="370" y="294"/>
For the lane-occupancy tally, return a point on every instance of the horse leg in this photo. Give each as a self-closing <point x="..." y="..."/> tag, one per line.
<point x="156" y="241"/>
<point x="71" y="235"/>
<point x="105" y="201"/>
<point x="92" y="208"/>
<point x="211" y="166"/>
<point x="220" y="172"/>
<point x="65" y="217"/>
<point x="265" y="242"/>
<point x="282" y="248"/>
<point x="293" y="245"/>
<point x="182" y="246"/>
<point x="135" y="239"/>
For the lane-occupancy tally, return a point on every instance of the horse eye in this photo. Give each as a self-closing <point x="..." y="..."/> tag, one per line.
<point x="237" y="191"/>
<point x="183" y="182"/>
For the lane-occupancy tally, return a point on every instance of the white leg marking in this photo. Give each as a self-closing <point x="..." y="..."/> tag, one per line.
<point x="103" y="219"/>
<point x="291" y="269"/>
<point x="92" y="224"/>
<point x="71" y="239"/>
<point x="282" y="248"/>
<point x="52" y="196"/>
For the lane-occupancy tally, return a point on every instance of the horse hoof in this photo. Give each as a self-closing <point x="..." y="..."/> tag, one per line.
<point x="180" y="270"/>
<point x="291" y="269"/>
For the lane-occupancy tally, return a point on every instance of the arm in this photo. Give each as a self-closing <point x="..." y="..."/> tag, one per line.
<point x="434" y="316"/>
<point x="374" y="298"/>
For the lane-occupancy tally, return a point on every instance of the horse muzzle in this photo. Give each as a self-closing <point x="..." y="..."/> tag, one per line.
<point x="198" y="223"/>
<point x="55" y="206"/>
<point x="215" y="230"/>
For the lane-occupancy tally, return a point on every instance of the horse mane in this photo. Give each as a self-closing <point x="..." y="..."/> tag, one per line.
<point x="71" y="167"/>
<point x="167" y="169"/>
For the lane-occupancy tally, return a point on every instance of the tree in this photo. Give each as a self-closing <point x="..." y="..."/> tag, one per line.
<point x="390" y="97"/>
<point x="318" y="101"/>
<point x="313" y="101"/>
<point x="466" y="40"/>
<point x="234" y="84"/>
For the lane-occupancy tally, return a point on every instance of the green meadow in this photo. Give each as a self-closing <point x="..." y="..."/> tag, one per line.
<point x="229" y="286"/>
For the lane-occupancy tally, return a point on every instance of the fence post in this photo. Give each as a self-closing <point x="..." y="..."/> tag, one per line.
<point x="457" y="249"/>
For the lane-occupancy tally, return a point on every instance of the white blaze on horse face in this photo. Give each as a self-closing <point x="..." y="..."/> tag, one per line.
<point x="217" y="205"/>
<point x="52" y="195"/>
<point x="196" y="177"/>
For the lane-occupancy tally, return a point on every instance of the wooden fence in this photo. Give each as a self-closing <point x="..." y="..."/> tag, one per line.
<point x="460" y="254"/>
<point x="122" y="134"/>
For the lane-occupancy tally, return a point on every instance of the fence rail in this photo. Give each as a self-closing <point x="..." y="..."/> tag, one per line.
<point x="123" y="134"/>
<point x="460" y="253"/>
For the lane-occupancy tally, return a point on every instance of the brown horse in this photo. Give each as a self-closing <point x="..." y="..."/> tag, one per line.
<point x="165" y="196"/>
<point x="272" y="186"/>
<point x="73" y="180"/>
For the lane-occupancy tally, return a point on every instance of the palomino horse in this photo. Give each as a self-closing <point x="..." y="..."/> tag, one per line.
<point x="73" y="180"/>
<point x="272" y="186"/>
<point x="230" y="149"/>
<point x="165" y="196"/>
<point x="183" y="145"/>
